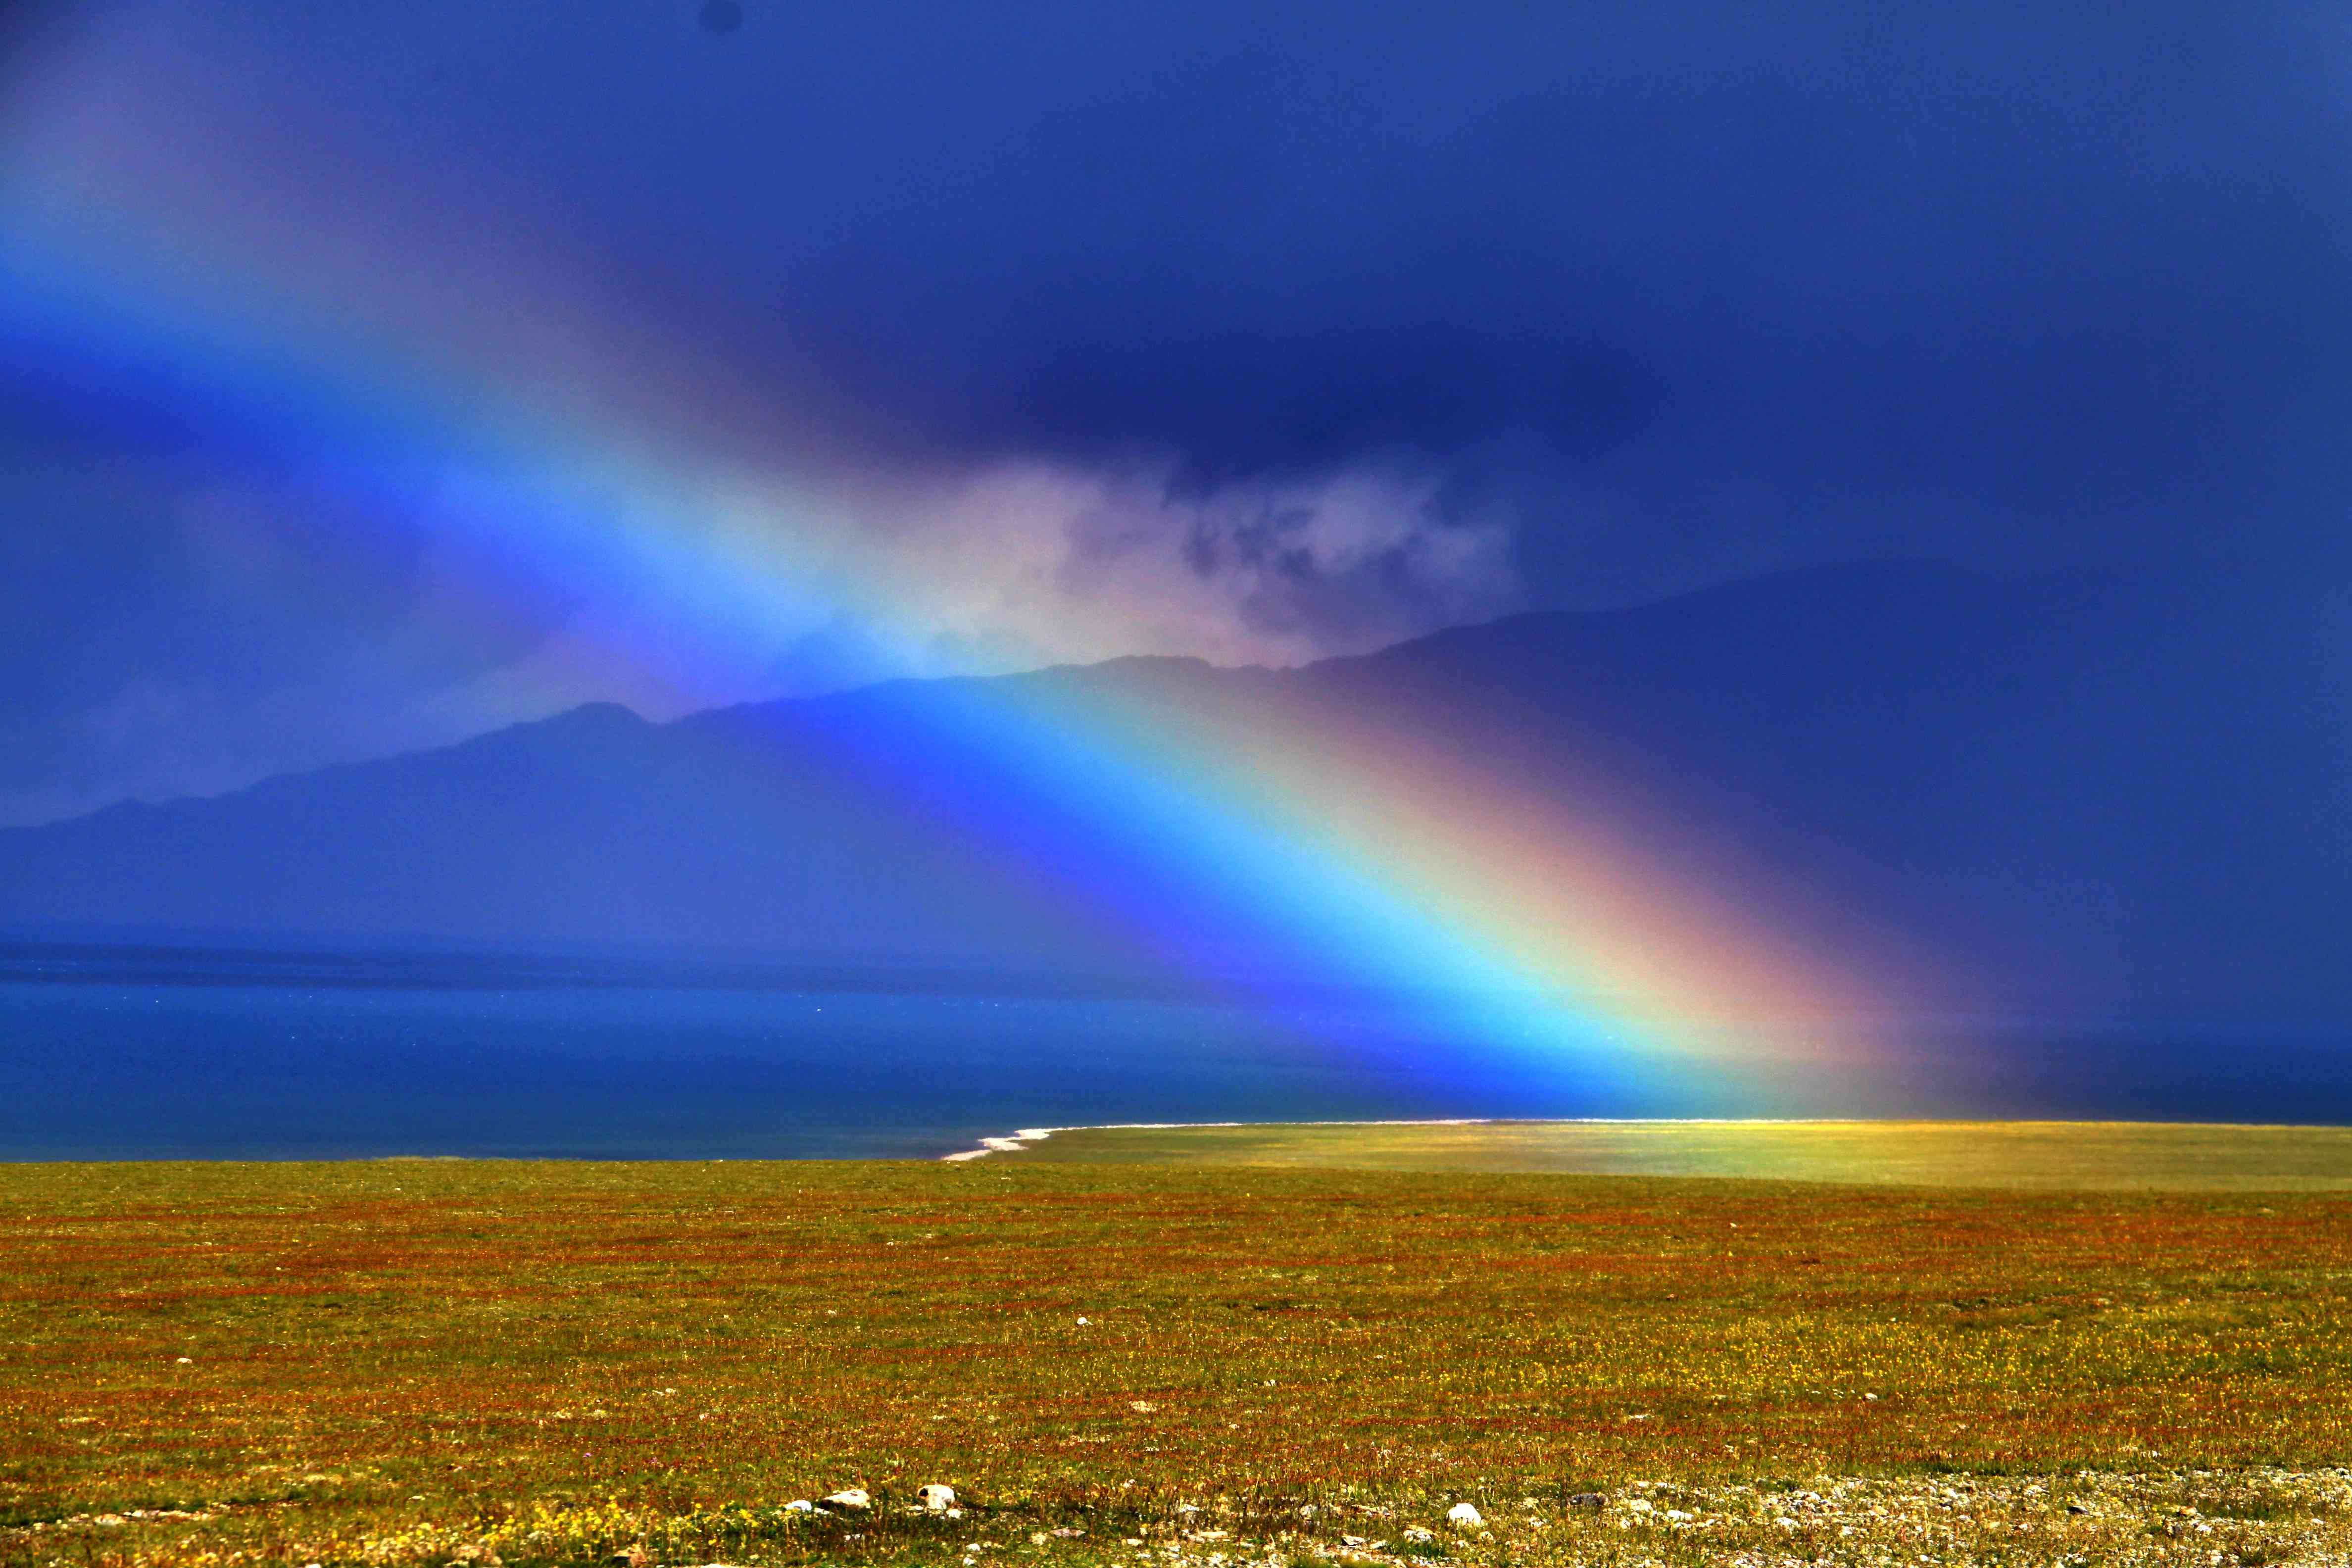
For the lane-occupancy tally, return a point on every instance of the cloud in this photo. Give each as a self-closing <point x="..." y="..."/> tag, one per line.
<point x="2024" y="256"/>
<point x="1029" y="563"/>
<point x="1052" y="332"/>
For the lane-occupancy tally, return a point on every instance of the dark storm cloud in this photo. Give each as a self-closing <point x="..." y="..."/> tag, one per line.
<point x="2053" y="263"/>
<point x="1927" y="264"/>
<point x="1672" y="293"/>
<point x="2049" y="259"/>
<point x="22" y="22"/>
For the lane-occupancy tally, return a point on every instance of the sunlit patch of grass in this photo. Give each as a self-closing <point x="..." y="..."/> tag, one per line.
<point x="2071" y="1156"/>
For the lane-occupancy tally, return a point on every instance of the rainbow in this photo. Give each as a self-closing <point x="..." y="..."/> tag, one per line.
<point x="202" y="294"/>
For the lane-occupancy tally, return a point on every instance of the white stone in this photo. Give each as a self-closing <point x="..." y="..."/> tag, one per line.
<point x="854" y="1499"/>
<point x="1463" y="1516"/>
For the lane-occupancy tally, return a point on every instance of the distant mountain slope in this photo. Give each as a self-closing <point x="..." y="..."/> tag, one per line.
<point x="2088" y="795"/>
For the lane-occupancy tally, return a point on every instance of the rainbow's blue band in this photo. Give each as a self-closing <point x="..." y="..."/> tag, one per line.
<point x="1539" y="944"/>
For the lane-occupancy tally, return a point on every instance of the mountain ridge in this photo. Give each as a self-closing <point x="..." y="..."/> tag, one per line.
<point x="1999" y="775"/>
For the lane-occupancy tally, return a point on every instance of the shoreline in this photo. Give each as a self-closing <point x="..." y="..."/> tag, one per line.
<point x="1022" y="1140"/>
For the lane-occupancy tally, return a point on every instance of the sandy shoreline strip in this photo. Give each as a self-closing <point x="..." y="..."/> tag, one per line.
<point x="1026" y="1136"/>
<point x="1010" y="1145"/>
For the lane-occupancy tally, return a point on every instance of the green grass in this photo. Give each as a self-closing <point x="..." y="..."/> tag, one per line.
<point x="428" y="1361"/>
<point x="2050" y="1155"/>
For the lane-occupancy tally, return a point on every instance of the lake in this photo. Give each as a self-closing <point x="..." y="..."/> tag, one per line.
<point x="112" y="1051"/>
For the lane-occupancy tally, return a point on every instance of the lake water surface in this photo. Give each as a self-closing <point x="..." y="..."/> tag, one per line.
<point x="121" y="1052"/>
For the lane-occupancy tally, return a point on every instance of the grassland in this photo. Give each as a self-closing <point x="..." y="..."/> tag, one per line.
<point x="425" y="1362"/>
<point x="2049" y="1155"/>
